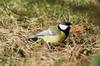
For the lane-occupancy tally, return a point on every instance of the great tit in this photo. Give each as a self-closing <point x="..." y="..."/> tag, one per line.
<point x="55" y="34"/>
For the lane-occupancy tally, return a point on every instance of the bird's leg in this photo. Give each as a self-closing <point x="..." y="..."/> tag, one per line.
<point x="48" y="45"/>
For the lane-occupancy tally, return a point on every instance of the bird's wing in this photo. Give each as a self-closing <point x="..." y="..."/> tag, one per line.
<point x="45" y="32"/>
<point x="48" y="32"/>
<point x="53" y="30"/>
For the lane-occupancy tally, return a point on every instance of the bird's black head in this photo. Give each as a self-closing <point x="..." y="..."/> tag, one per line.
<point x="65" y="27"/>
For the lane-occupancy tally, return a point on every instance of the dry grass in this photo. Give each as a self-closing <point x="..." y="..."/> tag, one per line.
<point x="22" y="18"/>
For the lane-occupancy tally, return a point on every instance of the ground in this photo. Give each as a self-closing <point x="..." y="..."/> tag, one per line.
<point x="20" y="18"/>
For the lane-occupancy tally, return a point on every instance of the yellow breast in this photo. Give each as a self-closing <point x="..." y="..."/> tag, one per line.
<point x="60" y="37"/>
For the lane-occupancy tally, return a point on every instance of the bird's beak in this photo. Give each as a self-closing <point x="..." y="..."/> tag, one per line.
<point x="70" y="25"/>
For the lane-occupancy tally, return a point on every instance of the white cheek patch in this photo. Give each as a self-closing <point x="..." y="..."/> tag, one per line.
<point x="63" y="27"/>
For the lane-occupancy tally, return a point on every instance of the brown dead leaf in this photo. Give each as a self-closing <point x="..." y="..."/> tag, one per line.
<point x="78" y="29"/>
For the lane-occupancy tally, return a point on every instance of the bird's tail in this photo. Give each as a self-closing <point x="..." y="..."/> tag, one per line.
<point x="33" y="36"/>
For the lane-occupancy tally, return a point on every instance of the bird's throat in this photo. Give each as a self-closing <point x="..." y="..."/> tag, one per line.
<point x="66" y="31"/>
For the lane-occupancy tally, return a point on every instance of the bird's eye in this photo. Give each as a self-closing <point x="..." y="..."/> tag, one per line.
<point x="63" y="27"/>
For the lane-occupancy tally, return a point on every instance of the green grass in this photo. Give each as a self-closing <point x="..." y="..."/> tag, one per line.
<point x="21" y="18"/>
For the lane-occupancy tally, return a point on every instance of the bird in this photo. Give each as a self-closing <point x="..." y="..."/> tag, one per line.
<point x="54" y="34"/>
